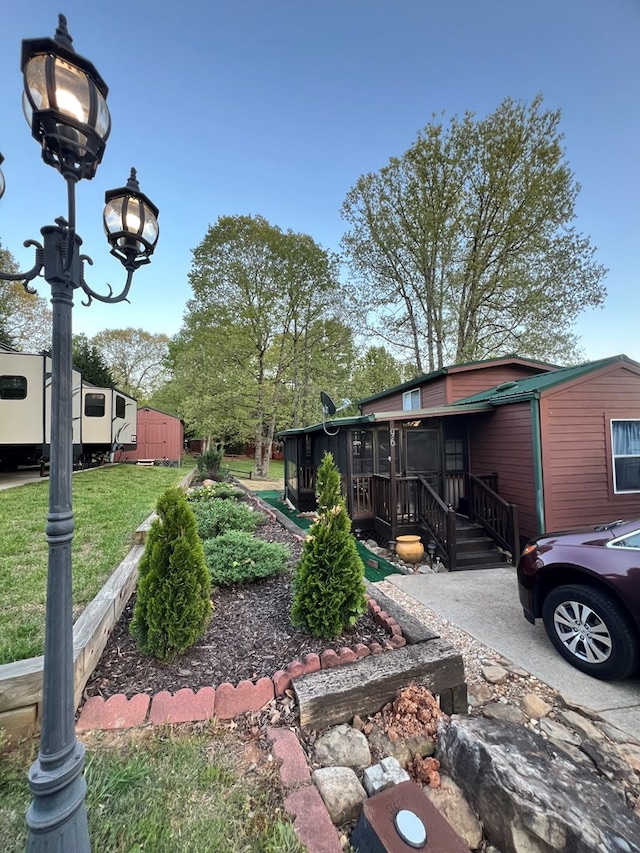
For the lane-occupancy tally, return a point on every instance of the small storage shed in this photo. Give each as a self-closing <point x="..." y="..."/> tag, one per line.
<point x="160" y="438"/>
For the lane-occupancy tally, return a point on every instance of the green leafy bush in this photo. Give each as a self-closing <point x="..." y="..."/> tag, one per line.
<point x="216" y="517"/>
<point x="215" y="490"/>
<point x="173" y="603"/>
<point x="328" y="588"/>
<point x="238" y="557"/>
<point x="208" y="463"/>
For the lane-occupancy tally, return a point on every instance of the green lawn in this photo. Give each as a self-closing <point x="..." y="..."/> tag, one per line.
<point x="109" y="504"/>
<point x="238" y="467"/>
<point x="164" y="790"/>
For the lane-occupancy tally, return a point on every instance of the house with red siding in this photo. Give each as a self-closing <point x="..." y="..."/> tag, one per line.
<point x="159" y="438"/>
<point x="492" y="452"/>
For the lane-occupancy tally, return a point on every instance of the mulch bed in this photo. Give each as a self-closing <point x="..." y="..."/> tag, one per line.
<point x="250" y="636"/>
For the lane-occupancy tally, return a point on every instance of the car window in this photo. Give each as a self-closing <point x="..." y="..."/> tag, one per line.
<point x="632" y="541"/>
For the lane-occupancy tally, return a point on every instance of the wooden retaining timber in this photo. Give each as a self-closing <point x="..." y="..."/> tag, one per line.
<point x="333" y="696"/>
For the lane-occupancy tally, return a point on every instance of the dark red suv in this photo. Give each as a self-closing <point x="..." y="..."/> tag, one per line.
<point x="585" y="585"/>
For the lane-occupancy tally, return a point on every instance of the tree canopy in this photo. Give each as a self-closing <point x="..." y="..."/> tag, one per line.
<point x="464" y="247"/>
<point x="89" y="361"/>
<point x="261" y="332"/>
<point x="136" y="359"/>
<point x="25" y="318"/>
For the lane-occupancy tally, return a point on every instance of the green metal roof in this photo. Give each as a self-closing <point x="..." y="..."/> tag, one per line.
<point x="533" y="386"/>
<point x="357" y="420"/>
<point x="425" y="377"/>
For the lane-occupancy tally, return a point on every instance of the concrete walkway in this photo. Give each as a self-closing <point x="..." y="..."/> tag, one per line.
<point x="485" y="604"/>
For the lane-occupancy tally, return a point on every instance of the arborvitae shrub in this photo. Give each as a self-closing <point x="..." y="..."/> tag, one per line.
<point x="173" y="603"/>
<point x="213" y="518"/>
<point x="238" y="557"/>
<point x="328" y="588"/>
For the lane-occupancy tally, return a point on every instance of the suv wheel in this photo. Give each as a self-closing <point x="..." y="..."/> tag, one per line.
<point x="591" y="631"/>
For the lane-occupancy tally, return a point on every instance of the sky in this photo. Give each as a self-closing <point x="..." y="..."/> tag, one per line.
<point x="276" y="107"/>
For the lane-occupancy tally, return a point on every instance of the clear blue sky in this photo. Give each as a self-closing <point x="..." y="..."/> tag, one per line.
<point x="275" y="107"/>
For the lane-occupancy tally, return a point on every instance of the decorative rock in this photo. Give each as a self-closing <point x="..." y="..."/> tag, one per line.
<point x="514" y="669"/>
<point x="501" y="711"/>
<point x="615" y="734"/>
<point x="383" y="775"/>
<point x="609" y="764"/>
<point x="535" y="707"/>
<point x="402" y="749"/>
<point x="342" y="793"/>
<point x="581" y="709"/>
<point x="580" y="725"/>
<point x="495" y="674"/>
<point x="573" y="753"/>
<point x="559" y="732"/>
<point x="343" y="746"/>
<point x="631" y="754"/>
<point x="528" y="798"/>
<point x="480" y="692"/>
<point x="450" y="801"/>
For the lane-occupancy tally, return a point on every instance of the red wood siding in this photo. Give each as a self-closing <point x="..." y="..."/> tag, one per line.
<point x="576" y="448"/>
<point x="501" y="443"/>
<point x="159" y="436"/>
<point x="466" y="383"/>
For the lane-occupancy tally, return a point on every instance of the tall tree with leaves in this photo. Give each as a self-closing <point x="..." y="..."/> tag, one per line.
<point x="262" y="300"/>
<point x="25" y="318"/>
<point x="89" y="361"/>
<point x="464" y="247"/>
<point x="136" y="359"/>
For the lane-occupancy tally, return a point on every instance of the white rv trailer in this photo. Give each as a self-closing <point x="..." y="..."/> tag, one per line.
<point x="109" y="422"/>
<point x="25" y="409"/>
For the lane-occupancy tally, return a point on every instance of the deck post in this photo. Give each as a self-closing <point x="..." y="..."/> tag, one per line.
<point x="393" y="494"/>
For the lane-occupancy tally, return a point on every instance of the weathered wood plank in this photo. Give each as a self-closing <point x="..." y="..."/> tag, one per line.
<point x="21" y="722"/>
<point x="412" y="629"/>
<point x="333" y="696"/>
<point x="20" y="683"/>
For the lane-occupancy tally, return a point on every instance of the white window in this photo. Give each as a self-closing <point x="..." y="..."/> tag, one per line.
<point x="411" y="400"/>
<point x="625" y="444"/>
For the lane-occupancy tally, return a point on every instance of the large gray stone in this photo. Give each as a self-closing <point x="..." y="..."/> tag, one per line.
<point x="341" y="791"/>
<point x="529" y="798"/>
<point x="343" y="746"/>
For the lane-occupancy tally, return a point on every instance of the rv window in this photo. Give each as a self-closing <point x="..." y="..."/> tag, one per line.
<point x="121" y="407"/>
<point x="94" y="405"/>
<point x="13" y="387"/>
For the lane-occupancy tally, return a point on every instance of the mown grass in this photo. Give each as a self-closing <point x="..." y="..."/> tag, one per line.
<point x="240" y="467"/>
<point x="165" y="791"/>
<point x="109" y="504"/>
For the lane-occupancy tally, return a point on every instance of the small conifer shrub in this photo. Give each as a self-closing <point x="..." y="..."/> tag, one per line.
<point x="237" y="557"/>
<point x="213" y="518"/>
<point x="208" y="464"/>
<point x="328" y="588"/>
<point x="173" y="603"/>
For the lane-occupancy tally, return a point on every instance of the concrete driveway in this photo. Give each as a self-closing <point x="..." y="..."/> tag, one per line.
<point x="9" y="479"/>
<point x="485" y="604"/>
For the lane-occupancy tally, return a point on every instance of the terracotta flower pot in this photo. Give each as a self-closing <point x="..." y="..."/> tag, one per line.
<point x="409" y="548"/>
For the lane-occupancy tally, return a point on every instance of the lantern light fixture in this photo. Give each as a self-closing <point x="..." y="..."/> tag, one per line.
<point x="130" y="223"/>
<point x="64" y="102"/>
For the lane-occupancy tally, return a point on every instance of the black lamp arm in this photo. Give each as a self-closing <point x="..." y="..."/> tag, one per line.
<point x="35" y="270"/>
<point x="109" y="297"/>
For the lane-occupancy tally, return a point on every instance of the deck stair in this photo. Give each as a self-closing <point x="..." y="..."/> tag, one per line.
<point x="476" y="550"/>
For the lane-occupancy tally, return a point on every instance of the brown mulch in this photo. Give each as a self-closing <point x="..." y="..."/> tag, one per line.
<point x="250" y="636"/>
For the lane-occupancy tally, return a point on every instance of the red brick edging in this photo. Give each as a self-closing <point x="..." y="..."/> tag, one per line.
<point x="225" y="701"/>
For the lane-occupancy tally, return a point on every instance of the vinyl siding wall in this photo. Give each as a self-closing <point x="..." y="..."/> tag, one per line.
<point x="576" y="448"/>
<point x="469" y="382"/>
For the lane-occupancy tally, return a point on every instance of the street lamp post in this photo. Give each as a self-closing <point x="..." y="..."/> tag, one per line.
<point x="64" y="101"/>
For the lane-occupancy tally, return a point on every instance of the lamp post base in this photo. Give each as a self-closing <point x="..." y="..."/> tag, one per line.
<point x="57" y="816"/>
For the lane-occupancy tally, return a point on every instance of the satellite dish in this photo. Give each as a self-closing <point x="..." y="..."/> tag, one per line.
<point x="328" y="406"/>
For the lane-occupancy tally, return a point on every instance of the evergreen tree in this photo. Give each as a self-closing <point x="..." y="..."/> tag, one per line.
<point x="88" y="359"/>
<point x="173" y="605"/>
<point x="329" y="591"/>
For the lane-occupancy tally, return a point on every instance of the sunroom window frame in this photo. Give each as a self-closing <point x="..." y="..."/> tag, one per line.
<point x="615" y="456"/>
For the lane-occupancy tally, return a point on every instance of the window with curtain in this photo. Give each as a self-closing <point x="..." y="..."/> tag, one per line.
<point x="625" y="444"/>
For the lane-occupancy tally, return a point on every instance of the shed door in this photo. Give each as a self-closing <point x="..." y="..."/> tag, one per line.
<point x="152" y="439"/>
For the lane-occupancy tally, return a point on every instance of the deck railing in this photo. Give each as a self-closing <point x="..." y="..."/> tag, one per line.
<point x="498" y="517"/>
<point x="439" y="519"/>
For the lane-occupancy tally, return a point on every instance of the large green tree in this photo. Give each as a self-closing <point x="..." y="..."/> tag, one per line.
<point x="89" y="361"/>
<point x="136" y="359"/>
<point x="261" y="330"/>
<point x="465" y="246"/>
<point x="25" y="318"/>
